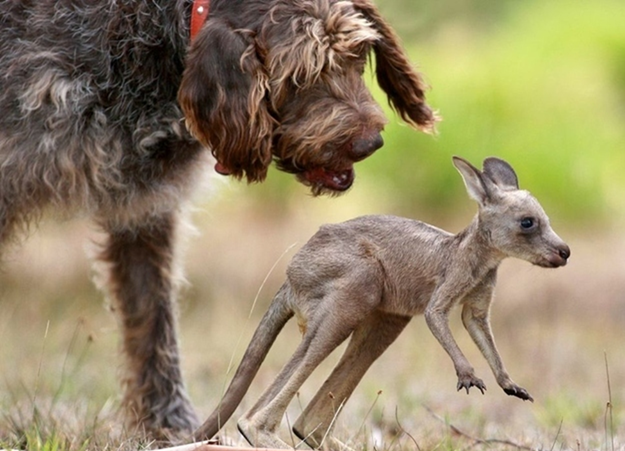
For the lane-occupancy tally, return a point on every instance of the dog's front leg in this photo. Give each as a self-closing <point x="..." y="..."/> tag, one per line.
<point x="142" y="285"/>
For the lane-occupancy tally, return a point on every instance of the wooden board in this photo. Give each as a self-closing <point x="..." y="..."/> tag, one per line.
<point x="205" y="446"/>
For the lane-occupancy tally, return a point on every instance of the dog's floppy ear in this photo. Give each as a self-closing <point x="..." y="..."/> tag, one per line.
<point x="222" y="96"/>
<point x="403" y="85"/>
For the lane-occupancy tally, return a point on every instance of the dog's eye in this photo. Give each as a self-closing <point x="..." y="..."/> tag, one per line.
<point x="528" y="224"/>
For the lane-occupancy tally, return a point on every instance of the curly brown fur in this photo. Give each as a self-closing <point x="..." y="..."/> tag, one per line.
<point x="94" y="97"/>
<point x="287" y="76"/>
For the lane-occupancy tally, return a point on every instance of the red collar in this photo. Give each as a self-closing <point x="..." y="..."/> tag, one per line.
<point x="199" y="14"/>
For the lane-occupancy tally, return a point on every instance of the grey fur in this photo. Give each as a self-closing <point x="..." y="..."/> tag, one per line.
<point x="367" y="278"/>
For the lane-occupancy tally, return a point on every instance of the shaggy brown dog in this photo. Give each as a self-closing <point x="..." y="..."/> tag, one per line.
<point x="93" y="97"/>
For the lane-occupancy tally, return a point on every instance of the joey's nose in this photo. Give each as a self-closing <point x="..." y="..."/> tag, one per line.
<point x="559" y="254"/>
<point x="363" y="147"/>
<point x="564" y="251"/>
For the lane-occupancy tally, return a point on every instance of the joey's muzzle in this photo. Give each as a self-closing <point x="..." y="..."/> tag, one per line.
<point x="559" y="256"/>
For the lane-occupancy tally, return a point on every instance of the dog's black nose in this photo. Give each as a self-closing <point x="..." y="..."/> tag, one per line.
<point x="363" y="147"/>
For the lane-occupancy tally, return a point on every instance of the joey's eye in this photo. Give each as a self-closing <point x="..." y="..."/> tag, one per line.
<point x="528" y="223"/>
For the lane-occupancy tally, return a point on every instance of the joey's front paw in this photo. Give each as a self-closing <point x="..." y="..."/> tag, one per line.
<point x="519" y="392"/>
<point x="470" y="380"/>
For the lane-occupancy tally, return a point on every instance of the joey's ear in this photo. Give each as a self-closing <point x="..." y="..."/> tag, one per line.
<point x="501" y="173"/>
<point x="222" y="96"/>
<point x="474" y="180"/>
<point x="403" y="85"/>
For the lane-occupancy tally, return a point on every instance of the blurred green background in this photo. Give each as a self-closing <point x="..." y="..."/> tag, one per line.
<point x="538" y="83"/>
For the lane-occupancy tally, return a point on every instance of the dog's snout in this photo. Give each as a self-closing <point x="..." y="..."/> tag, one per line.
<point x="363" y="147"/>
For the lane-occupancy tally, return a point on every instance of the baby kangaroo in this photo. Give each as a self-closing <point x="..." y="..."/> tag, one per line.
<point x="367" y="278"/>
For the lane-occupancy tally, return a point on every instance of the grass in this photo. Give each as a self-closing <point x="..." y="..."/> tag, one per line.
<point x="555" y="330"/>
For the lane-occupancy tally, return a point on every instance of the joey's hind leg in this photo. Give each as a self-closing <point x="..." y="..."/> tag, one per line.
<point x="141" y="282"/>
<point x="259" y="424"/>
<point x="332" y="322"/>
<point x="368" y="342"/>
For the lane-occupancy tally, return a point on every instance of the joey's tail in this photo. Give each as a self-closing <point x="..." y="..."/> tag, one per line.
<point x="270" y="326"/>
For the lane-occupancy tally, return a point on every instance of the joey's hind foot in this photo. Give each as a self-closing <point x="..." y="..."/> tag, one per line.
<point x="319" y="439"/>
<point x="259" y="437"/>
<point x="330" y="443"/>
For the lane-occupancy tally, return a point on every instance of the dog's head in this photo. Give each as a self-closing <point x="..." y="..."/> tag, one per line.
<point x="286" y="85"/>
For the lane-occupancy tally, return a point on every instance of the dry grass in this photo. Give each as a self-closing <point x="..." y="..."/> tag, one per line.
<point x="555" y="330"/>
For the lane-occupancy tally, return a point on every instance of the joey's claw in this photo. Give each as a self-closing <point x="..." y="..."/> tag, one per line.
<point x="470" y="381"/>
<point x="519" y="392"/>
